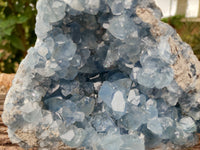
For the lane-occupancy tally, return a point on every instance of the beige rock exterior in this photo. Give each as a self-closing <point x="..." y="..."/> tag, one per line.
<point x="5" y="82"/>
<point x="182" y="66"/>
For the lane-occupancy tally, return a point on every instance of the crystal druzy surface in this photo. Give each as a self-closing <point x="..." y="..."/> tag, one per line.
<point x="104" y="75"/>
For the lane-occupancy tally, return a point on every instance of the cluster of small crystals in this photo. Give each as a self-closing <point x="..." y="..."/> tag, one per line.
<point x="98" y="79"/>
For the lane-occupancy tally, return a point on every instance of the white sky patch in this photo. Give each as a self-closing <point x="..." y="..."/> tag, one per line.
<point x="118" y="102"/>
<point x="192" y="8"/>
<point x="168" y="7"/>
<point x="69" y="135"/>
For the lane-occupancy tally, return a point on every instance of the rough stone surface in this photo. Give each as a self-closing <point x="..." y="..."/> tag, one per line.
<point x="5" y="82"/>
<point x="104" y="75"/>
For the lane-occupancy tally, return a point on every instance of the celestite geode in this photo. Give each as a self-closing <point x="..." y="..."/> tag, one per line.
<point x="104" y="75"/>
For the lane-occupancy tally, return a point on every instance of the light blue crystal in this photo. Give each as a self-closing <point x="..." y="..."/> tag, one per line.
<point x="121" y="26"/>
<point x="102" y="123"/>
<point x="32" y="112"/>
<point x="86" y="105"/>
<point x="70" y="114"/>
<point x="53" y="103"/>
<point x="117" y="7"/>
<point x="87" y="6"/>
<point x="154" y="73"/>
<point x="73" y="137"/>
<point x="134" y="119"/>
<point x="112" y="142"/>
<point x="106" y="93"/>
<point x="188" y="125"/>
<point x="134" y="97"/>
<point x="104" y="75"/>
<point x="132" y="141"/>
<point x="168" y="127"/>
<point x="151" y="109"/>
<point x="155" y="126"/>
<point x="68" y="88"/>
<point x="64" y="48"/>
<point x="52" y="11"/>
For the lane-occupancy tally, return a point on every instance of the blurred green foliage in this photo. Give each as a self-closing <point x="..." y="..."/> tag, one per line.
<point x="174" y="21"/>
<point x="188" y="30"/>
<point x="17" y="23"/>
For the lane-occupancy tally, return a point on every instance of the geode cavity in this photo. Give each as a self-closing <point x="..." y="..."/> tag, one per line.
<point x="104" y="75"/>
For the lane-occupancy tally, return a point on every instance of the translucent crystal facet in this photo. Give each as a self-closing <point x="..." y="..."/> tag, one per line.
<point x="104" y="75"/>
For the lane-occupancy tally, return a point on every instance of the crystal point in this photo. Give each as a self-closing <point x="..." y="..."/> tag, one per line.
<point x="104" y="75"/>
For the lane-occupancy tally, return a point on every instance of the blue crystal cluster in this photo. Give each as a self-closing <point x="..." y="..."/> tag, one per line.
<point x="104" y="75"/>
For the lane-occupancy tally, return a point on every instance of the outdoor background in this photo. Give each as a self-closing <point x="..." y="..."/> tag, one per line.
<point x="17" y="20"/>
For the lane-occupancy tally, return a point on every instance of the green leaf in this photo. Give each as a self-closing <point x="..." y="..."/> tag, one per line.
<point x="22" y="19"/>
<point x="17" y="42"/>
<point x="9" y="30"/>
<point x="10" y="21"/>
<point x="16" y="16"/>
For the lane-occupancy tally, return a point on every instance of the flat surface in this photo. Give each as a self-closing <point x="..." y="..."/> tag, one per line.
<point x="5" y="143"/>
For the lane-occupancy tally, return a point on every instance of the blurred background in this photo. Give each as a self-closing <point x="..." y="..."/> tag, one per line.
<point x="17" y="23"/>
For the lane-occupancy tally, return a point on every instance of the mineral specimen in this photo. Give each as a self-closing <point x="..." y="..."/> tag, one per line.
<point x="104" y="75"/>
